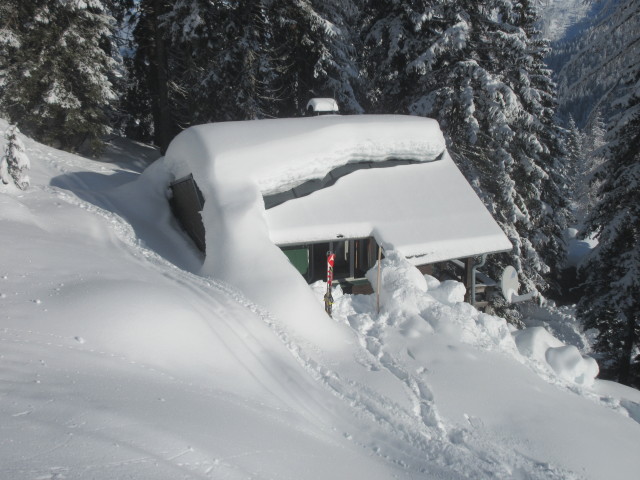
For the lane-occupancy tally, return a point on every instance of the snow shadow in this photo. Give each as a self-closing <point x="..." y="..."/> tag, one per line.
<point x="86" y="184"/>
<point x="129" y="154"/>
<point x="145" y="211"/>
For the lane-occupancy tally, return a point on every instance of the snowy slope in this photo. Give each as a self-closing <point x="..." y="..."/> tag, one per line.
<point x="590" y="53"/>
<point x="117" y="361"/>
<point x="560" y="19"/>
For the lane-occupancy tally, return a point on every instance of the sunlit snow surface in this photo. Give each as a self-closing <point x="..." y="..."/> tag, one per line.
<point x="118" y="361"/>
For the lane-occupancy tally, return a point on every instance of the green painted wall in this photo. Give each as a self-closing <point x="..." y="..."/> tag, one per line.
<point x="299" y="257"/>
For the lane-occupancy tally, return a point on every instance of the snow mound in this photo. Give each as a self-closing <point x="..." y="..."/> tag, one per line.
<point x="578" y="248"/>
<point x="467" y="376"/>
<point x="561" y="321"/>
<point x="404" y="288"/>
<point x="408" y="295"/>
<point x="538" y="344"/>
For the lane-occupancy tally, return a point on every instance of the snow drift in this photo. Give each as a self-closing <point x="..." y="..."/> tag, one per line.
<point x="117" y="363"/>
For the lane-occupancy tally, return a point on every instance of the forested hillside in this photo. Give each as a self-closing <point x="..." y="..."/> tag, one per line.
<point x="599" y="85"/>
<point x="74" y="71"/>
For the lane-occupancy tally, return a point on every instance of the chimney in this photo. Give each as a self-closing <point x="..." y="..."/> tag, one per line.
<point x="322" y="106"/>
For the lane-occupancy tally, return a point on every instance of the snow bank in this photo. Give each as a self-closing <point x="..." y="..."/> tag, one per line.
<point x="578" y="248"/>
<point x="561" y="321"/>
<point x="539" y="345"/>
<point x="470" y="376"/>
<point x="405" y="293"/>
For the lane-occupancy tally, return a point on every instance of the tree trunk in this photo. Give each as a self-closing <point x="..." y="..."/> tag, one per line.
<point x="624" y="375"/>
<point x="161" y="107"/>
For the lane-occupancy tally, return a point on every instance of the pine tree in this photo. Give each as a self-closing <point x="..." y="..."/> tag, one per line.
<point x="575" y="143"/>
<point x="248" y="76"/>
<point x="15" y="163"/>
<point x="612" y="274"/>
<point x="595" y="132"/>
<point x="148" y="96"/>
<point x="317" y="45"/>
<point x="590" y="79"/>
<point x="9" y="39"/>
<point x="543" y="137"/>
<point x="198" y="35"/>
<point x="585" y="156"/>
<point x="57" y="86"/>
<point x="396" y="34"/>
<point x="198" y="61"/>
<point x="593" y="148"/>
<point x="577" y="169"/>
<point x="337" y="69"/>
<point x="240" y="60"/>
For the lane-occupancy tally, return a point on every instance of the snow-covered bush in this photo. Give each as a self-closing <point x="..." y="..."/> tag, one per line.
<point x="567" y="362"/>
<point x="15" y="162"/>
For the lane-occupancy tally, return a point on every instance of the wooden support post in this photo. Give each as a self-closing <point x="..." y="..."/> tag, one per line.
<point x="378" y="282"/>
<point x="352" y="259"/>
<point x="468" y="278"/>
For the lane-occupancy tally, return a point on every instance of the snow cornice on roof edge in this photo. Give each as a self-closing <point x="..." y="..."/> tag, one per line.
<point x="280" y="154"/>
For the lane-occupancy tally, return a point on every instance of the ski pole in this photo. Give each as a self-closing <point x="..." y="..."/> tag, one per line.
<point x="328" y="297"/>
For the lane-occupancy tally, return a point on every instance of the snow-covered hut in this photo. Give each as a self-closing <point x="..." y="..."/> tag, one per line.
<point x="342" y="183"/>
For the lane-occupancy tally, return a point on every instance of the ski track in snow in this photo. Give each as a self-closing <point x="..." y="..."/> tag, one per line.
<point x="50" y="342"/>
<point x="480" y="456"/>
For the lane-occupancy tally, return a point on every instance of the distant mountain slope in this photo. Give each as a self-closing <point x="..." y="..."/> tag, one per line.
<point x="592" y="57"/>
<point x="563" y="20"/>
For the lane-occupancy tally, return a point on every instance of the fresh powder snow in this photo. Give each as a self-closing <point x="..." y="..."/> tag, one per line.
<point x="123" y="356"/>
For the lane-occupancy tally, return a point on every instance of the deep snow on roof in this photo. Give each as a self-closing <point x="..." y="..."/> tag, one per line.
<point x="277" y="155"/>
<point x="426" y="210"/>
